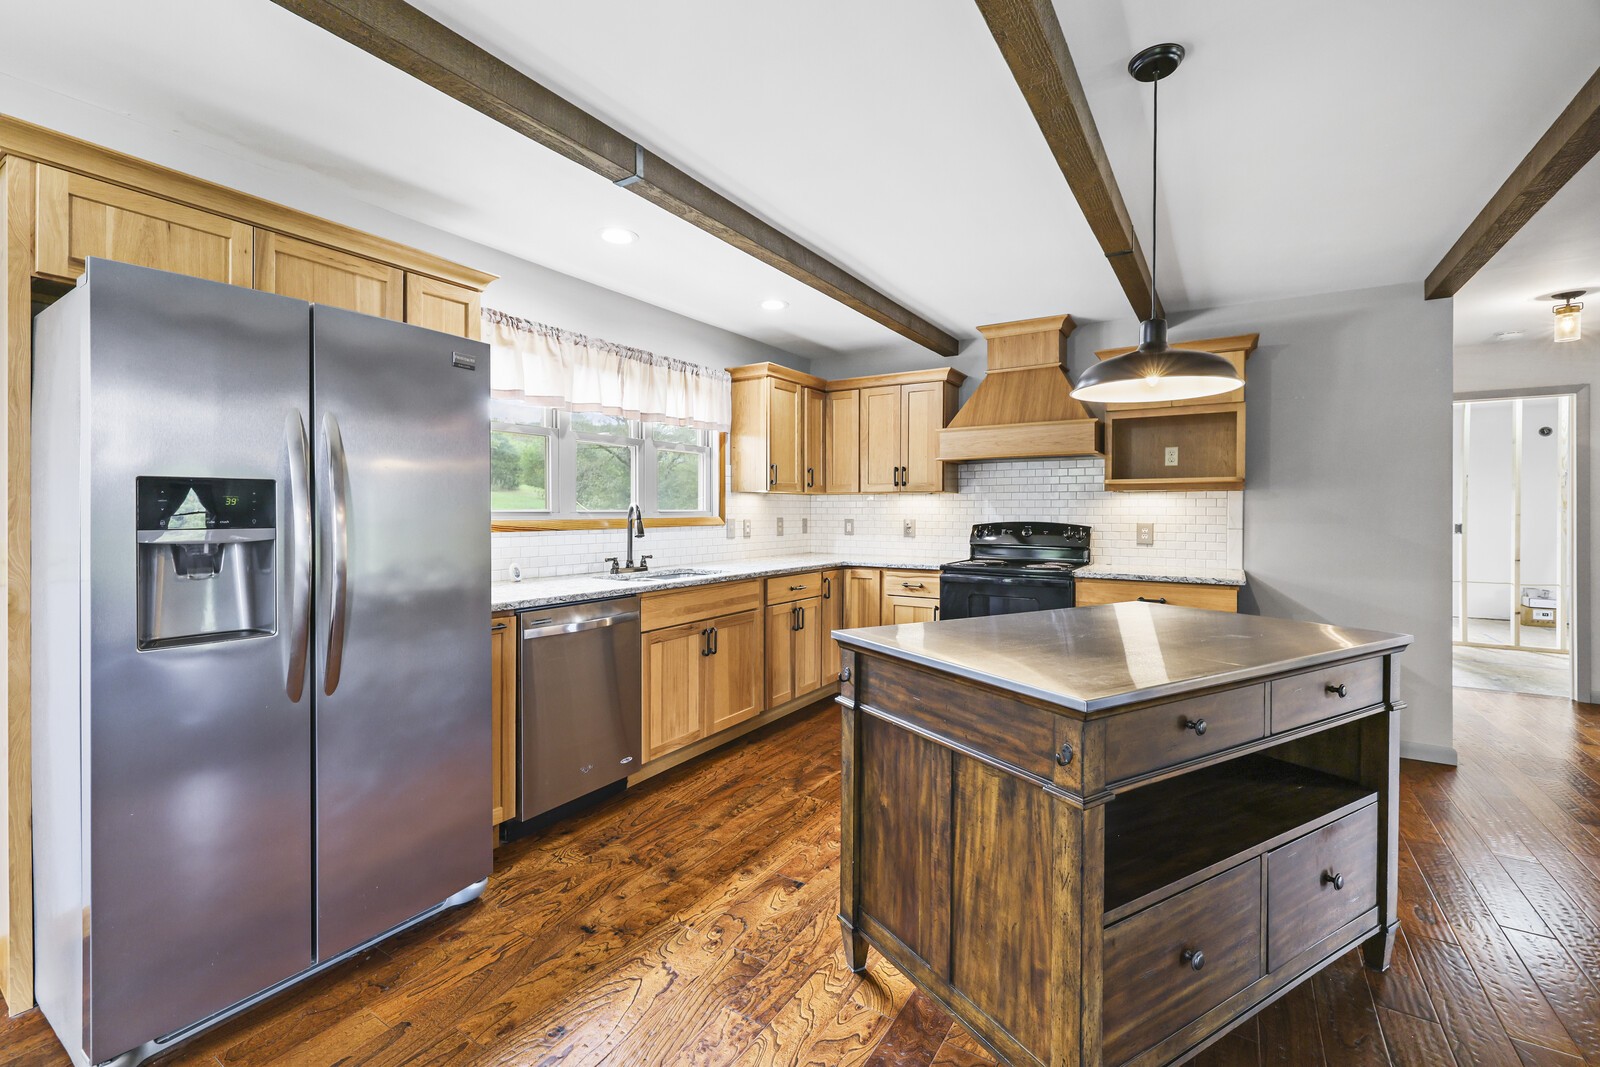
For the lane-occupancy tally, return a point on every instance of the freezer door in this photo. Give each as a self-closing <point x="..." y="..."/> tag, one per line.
<point x="198" y="760"/>
<point x="402" y="651"/>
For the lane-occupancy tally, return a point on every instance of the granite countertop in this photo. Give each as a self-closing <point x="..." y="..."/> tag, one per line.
<point x="1100" y="658"/>
<point x="577" y="588"/>
<point x="1183" y="576"/>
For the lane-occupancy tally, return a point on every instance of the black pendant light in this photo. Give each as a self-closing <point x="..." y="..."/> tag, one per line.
<point x="1155" y="372"/>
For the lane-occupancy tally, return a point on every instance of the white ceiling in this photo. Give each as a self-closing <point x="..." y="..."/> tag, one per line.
<point x="888" y="135"/>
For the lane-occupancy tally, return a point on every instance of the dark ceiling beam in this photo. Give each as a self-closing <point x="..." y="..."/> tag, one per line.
<point x="431" y="52"/>
<point x="1566" y="146"/>
<point x="1030" y="39"/>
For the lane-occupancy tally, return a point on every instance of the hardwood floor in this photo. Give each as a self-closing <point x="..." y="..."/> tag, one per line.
<point x="692" y="922"/>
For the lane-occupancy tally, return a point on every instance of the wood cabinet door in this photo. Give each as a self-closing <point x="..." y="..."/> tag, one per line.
<point x="291" y="267"/>
<point x="442" y="306"/>
<point x="780" y="654"/>
<point x="673" y="680"/>
<point x="921" y="418"/>
<point x="814" y="478"/>
<point x="863" y="597"/>
<point x="832" y="619"/>
<point x="735" y="682"/>
<point x="785" y="428"/>
<point x="899" y="608"/>
<point x="842" y="449"/>
<point x="79" y="217"/>
<point x="808" y="641"/>
<point x="880" y="439"/>
<point x="503" y="717"/>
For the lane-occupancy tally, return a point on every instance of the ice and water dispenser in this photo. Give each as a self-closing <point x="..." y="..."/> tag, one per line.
<point x="205" y="560"/>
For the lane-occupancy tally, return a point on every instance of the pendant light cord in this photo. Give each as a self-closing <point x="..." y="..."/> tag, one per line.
<point x="1155" y="147"/>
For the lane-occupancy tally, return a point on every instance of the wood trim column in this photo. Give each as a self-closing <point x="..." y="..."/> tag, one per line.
<point x="850" y="827"/>
<point x="17" y="178"/>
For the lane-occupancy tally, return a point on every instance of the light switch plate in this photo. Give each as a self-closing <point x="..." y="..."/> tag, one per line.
<point x="733" y="529"/>
<point x="805" y="525"/>
<point x="1172" y="456"/>
<point x="909" y="527"/>
<point x="1145" y="533"/>
<point x="780" y="525"/>
<point x="747" y="527"/>
<point x="849" y="527"/>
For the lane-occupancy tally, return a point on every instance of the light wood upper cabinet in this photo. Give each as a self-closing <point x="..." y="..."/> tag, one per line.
<point x="503" y="716"/>
<point x="291" y="267"/>
<point x="881" y="412"/>
<point x="787" y="429"/>
<point x="78" y="217"/>
<point x="734" y="671"/>
<point x="777" y="430"/>
<point x="674" y="681"/>
<point x="841" y="427"/>
<point x="812" y="439"/>
<point x="925" y="408"/>
<point x="442" y="306"/>
<point x="833" y="590"/>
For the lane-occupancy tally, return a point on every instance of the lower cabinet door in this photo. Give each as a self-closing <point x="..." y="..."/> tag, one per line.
<point x="503" y="712"/>
<point x="899" y="609"/>
<point x="808" y="641"/>
<point x="1320" y="882"/>
<point x="1171" y="963"/>
<point x="780" y="653"/>
<point x="673" y="678"/>
<point x="735" y="684"/>
<point x="832" y="619"/>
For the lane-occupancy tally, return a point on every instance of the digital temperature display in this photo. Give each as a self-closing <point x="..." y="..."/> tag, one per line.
<point x="205" y="503"/>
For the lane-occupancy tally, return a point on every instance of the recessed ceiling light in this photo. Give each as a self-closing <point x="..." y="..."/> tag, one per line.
<point x="1508" y="335"/>
<point x="618" y="236"/>
<point x="774" y="304"/>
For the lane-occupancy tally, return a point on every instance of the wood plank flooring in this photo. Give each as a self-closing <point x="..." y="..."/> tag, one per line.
<point x="692" y="922"/>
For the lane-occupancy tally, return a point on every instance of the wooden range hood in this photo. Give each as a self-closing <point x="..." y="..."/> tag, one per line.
<point x="1023" y="408"/>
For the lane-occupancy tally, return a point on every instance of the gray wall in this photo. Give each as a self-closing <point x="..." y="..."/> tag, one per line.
<point x="1535" y="364"/>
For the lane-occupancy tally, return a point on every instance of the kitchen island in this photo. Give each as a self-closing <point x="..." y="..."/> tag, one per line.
<point x="1106" y="835"/>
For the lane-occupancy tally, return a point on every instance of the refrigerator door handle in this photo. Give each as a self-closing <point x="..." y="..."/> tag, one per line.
<point x="338" y="551"/>
<point x="299" y="558"/>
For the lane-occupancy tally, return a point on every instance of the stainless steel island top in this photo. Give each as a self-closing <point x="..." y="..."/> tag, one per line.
<point x="1099" y="658"/>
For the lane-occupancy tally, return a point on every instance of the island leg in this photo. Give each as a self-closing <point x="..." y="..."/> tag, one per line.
<point x="1380" y="770"/>
<point x="850" y="823"/>
<point x="1078" y="898"/>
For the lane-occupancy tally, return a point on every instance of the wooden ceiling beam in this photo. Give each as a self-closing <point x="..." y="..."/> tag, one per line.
<point x="1034" y="47"/>
<point x="431" y="52"/>
<point x="1570" y="143"/>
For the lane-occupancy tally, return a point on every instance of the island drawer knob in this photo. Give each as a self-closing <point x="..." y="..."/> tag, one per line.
<point x="1337" y="690"/>
<point x="1064" y="756"/>
<point x="1333" y="878"/>
<point x="844" y="674"/>
<point x="1197" y="725"/>
<point x="1194" y="958"/>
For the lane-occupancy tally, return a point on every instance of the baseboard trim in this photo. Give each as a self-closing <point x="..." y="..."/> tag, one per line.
<point x="1416" y="750"/>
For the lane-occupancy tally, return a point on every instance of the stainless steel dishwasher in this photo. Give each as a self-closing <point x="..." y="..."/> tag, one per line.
<point x="578" y="714"/>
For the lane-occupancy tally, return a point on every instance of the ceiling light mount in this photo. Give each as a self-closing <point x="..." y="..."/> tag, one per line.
<point x="1156" y="62"/>
<point x="1569" y="315"/>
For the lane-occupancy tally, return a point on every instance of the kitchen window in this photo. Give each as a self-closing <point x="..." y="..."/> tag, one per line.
<point x="569" y="466"/>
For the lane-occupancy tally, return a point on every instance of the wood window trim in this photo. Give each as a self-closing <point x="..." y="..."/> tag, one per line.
<point x="616" y="522"/>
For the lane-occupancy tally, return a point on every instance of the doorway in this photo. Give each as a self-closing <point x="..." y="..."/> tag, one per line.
<point x="1513" y="561"/>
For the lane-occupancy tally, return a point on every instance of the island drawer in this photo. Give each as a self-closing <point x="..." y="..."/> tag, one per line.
<point x="1165" y="735"/>
<point x="1320" y="882"/>
<point x="794" y="587"/>
<point x="678" y="606"/>
<point x="1302" y="699"/>
<point x="1170" y="964"/>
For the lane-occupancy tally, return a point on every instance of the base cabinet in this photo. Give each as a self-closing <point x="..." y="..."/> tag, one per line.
<point x="700" y="678"/>
<point x="734" y="676"/>
<point x="1093" y="591"/>
<point x="503" y="712"/>
<point x="794" y="649"/>
<point x="833" y="586"/>
<point x="909" y="596"/>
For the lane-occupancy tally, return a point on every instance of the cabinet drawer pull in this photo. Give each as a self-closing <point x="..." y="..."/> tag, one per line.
<point x="796" y="588"/>
<point x="1148" y="600"/>
<point x="1333" y="878"/>
<point x="1197" y="725"/>
<point x="1064" y="756"/>
<point x="497" y="627"/>
<point x="1194" y="958"/>
<point x="913" y="585"/>
<point x="1337" y="690"/>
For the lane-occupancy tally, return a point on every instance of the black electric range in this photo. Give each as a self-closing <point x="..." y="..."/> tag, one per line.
<point x="1014" y="567"/>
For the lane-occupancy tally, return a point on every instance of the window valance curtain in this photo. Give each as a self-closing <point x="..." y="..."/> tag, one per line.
<point x="558" y="368"/>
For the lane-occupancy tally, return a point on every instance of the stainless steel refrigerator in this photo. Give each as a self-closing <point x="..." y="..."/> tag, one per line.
<point x="261" y="653"/>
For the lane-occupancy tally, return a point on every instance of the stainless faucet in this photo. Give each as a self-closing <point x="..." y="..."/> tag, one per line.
<point x="634" y="525"/>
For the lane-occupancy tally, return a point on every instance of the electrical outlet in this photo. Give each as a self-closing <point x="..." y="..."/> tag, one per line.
<point x="909" y="527"/>
<point x="747" y="527"/>
<point x="780" y="525"/>
<point x="1146" y="531"/>
<point x="805" y="525"/>
<point x="849" y="527"/>
<point x="1172" y="456"/>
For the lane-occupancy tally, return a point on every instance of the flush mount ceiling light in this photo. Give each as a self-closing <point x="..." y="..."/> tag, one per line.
<point x="616" y="235"/>
<point x="774" y="304"/>
<point x="1155" y="371"/>
<point x="1569" y="315"/>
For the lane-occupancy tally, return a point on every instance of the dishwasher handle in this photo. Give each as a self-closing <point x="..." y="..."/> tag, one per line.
<point x="554" y="628"/>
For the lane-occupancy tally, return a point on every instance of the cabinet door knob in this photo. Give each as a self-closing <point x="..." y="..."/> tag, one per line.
<point x="1333" y="878"/>
<point x="1194" y="958"/>
<point x="1197" y="725"/>
<point x="1064" y="756"/>
<point x="1337" y="690"/>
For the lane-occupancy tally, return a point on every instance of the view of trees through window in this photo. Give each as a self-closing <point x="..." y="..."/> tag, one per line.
<point x="519" y="472"/>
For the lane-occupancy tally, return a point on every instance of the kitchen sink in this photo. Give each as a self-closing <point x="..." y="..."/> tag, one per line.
<point x="674" y="572"/>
